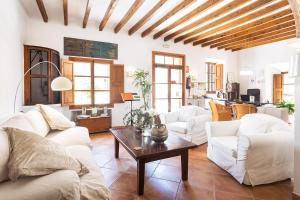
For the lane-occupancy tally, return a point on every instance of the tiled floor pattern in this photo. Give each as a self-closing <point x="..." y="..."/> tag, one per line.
<point x="163" y="178"/>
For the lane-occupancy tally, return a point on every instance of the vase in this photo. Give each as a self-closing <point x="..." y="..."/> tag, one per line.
<point x="159" y="133"/>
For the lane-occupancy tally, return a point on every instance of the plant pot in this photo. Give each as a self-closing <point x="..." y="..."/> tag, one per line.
<point x="159" y="133"/>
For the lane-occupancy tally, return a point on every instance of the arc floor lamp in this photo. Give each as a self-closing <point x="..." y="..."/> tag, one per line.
<point x="60" y="83"/>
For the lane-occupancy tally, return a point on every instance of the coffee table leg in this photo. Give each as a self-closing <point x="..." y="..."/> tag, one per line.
<point x="116" y="148"/>
<point x="140" y="176"/>
<point x="184" y="165"/>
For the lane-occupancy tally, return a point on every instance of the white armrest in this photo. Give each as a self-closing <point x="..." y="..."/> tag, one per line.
<point x="272" y="148"/>
<point x="196" y="124"/>
<point x="222" y="128"/>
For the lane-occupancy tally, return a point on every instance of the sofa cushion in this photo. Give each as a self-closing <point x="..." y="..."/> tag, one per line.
<point x="92" y="184"/>
<point x="19" y="121"/>
<point x="33" y="155"/>
<point x="4" y="155"/>
<point x="226" y="144"/>
<point x="38" y="122"/>
<point x="72" y="136"/>
<point x="55" y="119"/>
<point x="179" y="127"/>
<point x="60" y="185"/>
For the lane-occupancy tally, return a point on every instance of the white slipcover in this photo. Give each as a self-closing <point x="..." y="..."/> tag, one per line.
<point x="251" y="157"/>
<point x="188" y="122"/>
<point x="60" y="185"/>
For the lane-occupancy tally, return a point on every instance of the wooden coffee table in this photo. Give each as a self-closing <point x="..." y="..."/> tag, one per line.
<point x="151" y="151"/>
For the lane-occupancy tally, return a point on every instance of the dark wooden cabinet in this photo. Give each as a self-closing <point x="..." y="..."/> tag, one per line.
<point x="37" y="82"/>
<point x="95" y="124"/>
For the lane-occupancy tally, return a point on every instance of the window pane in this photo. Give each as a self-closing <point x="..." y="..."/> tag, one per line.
<point x="39" y="90"/>
<point x="101" y="83"/>
<point x="161" y="75"/>
<point x="102" y="97"/>
<point x="176" y="76"/>
<point x="101" y="69"/>
<point x="81" y="98"/>
<point x="176" y="91"/>
<point x="37" y="56"/>
<point x="159" y="59"/>
<point x="177" y="61"/>
<point x="161" y="105"/>
<point x="82" y="83"/>
<point x="289" y="89"/>
<point x="175" y="104"/>
<point x="288" y="80"/>
<point x="168" y="60"/>
<point x="161" y="90"/>
<point x="82" y="69"/>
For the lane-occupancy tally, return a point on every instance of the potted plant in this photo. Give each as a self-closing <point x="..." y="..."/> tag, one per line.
<point x="291" y="109"/>
<point x="141" y="117"/>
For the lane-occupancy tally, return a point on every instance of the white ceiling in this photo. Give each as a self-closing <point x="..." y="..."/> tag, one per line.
<point x="76" y="9"/>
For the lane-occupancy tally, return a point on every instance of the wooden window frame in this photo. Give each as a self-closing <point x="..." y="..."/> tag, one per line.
<point x="182" y="67"/>
<point x="50" y="74"/>
<point x="92" y="62"/>
<point x="208" y="73"/>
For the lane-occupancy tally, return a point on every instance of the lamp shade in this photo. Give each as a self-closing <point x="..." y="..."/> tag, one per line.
<point x="61" y="84"/>
<point x="294" y="70"/>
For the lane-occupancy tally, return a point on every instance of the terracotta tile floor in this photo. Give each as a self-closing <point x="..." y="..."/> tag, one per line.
<point x="163" y="178"/>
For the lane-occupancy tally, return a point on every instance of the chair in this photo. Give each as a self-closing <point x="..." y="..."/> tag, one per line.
<point x="242" y="109"/>
<point x="188" y="122"/>
<point x="220" y="112"/>
<point x="258" y="149"/>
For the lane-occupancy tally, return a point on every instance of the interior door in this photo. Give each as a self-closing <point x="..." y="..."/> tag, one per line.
<point x="277" y="88"/>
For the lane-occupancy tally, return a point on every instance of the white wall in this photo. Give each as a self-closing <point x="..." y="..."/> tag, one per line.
<point x="13" y="22"/>
<point x="134" y="52"/>
<point x="264" y="61"/>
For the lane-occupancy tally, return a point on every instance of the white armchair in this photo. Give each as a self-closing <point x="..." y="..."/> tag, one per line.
<point x="257" y="149"/>
<point x="188" y="122"/>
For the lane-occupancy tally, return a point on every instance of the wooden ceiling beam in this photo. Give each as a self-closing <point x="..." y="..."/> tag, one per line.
<point x="65" y="8"/>
<point x="87" y="13"/>
<point x="270" y="26"/>
<point x="222" y="20"/>
<point x="132" y="10"/>
<point x="271" y="40"/>
<point x="228" y="7"/>
<point x="174" y="11"/>
<point x="107" y="14"/>
<point x="208" y="41"/>
<point x="256" y="38"/>
<point x="242" y="20"/>
<point x="146" y="18"/>
<point x="295" y="6"/>
<point x="42" y="9"/>
<point x="247" y="29"/>
<point x="194" y="13"/>
<point x="254" y="32"/>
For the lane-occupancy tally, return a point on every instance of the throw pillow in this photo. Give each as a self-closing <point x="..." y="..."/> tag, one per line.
<point x="38" y="122"/>
<point x="4" y="149"/>
<point x="18" y="121"/>
<point x="55" y="119"/>
<point x="34" y="155"/>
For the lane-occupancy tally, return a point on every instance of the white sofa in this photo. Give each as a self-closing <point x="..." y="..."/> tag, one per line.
<point x="62" y="184"/>
<point x="188" y="122"/>
<point x="258" y="149"/>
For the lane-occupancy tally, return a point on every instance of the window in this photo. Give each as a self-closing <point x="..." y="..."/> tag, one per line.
<point x="214" y="78"/>
<point x="288" y="88"/>
<point x="168" y="81"/>
<point x="38" y="80"/>
<point x="95" y="82"/>
<point x="91" y="82"/>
